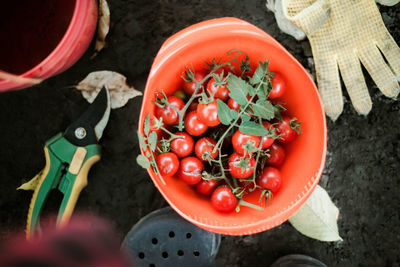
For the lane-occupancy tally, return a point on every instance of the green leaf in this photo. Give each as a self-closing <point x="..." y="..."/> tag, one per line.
<point x="147" y="125"/>
<point x="143" y="161"/>
<point x="262" y="93"/>
<point x="266" y="87"/>
<point x="260" y="72"/>
<point x="257" y="76"/>
<point x="142" y="142"/>
<point x="224" y="112"/>
<point x="252" y="91"/>
<point x="245" y="117"/>
<point x="264" y="109"/>
<point x="264" y="66"/>
<point x="253" y="128"/>
<point x="152" y="141"/>
<point x="238" y="89"/>
<point x="234" y="113"/>
<point x="245" y="64"/>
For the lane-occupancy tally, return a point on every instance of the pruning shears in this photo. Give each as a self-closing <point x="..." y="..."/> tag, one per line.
<point x="69" y="157"/>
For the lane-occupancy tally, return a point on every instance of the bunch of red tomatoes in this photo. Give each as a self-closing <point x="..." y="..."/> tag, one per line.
<point x="206" y="147"/>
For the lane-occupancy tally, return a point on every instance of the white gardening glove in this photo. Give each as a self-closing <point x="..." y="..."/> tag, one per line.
<point x="289" y="28"/>
<point x="283" y="23"/>
<point x="342" y="33"/>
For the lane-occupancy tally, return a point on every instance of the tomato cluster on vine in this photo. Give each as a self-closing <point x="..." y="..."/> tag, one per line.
<point x="223" y="133"/>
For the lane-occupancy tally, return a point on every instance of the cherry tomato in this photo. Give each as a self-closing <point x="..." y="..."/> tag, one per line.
<point x="287" y="129"/>
<point x="277" y="155"/>
<point x="247" y="185"/>
<point x="217" y="132"/>
<point x="203" y="145"/>
<point x="193" y="125"/>
<point x="167" y="163"/>
<point x="182" y="147"/>
<point x="223" y="199"/>
<point x="270" y="178"/>
<point x="220" y="91"/>
<point x="239" y="140"/>
<point x="227" y="143"/>
<point x="232" y="104"/>
<point x="278" y="86"/>
<point x="190" y="169"/>
<point x="190" y="87"/>
<point x="208" y="114"/>
<point x="181" y="95"/>
<point x="206" y="187"/>
<point x="267" y="141"/>
<point x="238" y="171"/>
<point x="193" y="105"/>
<point x="168" y="114"/>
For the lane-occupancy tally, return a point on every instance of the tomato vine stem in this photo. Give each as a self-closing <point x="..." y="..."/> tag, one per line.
<point x="257" y="159"/>
<point x="233" y="124"/>
<point x="195" y="94"/>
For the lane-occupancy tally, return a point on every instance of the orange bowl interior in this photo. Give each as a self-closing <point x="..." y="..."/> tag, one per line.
<point x="305" y="156"/>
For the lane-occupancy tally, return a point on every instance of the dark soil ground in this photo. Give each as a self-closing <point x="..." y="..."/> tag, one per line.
<point x="361" y="174"/>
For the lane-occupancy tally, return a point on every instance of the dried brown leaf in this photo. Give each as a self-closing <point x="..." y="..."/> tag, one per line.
<point x="317" y="218"/>
<point x="115" y="82"/>
<point x="103" y="27"/>
<point x="31" y="184"/>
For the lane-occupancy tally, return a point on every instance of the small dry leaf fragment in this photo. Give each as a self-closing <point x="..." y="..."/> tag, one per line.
<point x="103" y="27"/>
<point x="120" y="92"/>
<point x="31" y="185"/>
<point x="317" y="218"/>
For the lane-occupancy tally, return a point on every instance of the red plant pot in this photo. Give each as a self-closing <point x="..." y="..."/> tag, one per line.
<point x="305" y="156"/>
<point x="70" y="48"/>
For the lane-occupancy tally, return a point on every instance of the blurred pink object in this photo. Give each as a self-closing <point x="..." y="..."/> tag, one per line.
<point x="86" y="241"/>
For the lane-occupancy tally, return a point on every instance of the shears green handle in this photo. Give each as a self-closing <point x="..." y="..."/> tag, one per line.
<point x="67" y="167"/>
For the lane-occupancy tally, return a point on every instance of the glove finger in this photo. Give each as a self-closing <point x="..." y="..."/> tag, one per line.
<point x="329" y="86"/>
<point x="353" y="78"/>
<point x="391" y="52"/>
<point x="380" y="72"/>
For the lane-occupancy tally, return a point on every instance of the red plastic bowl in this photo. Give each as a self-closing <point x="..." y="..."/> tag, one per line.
<point x="305" y="156"/>
<point x="71" y="47"/>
